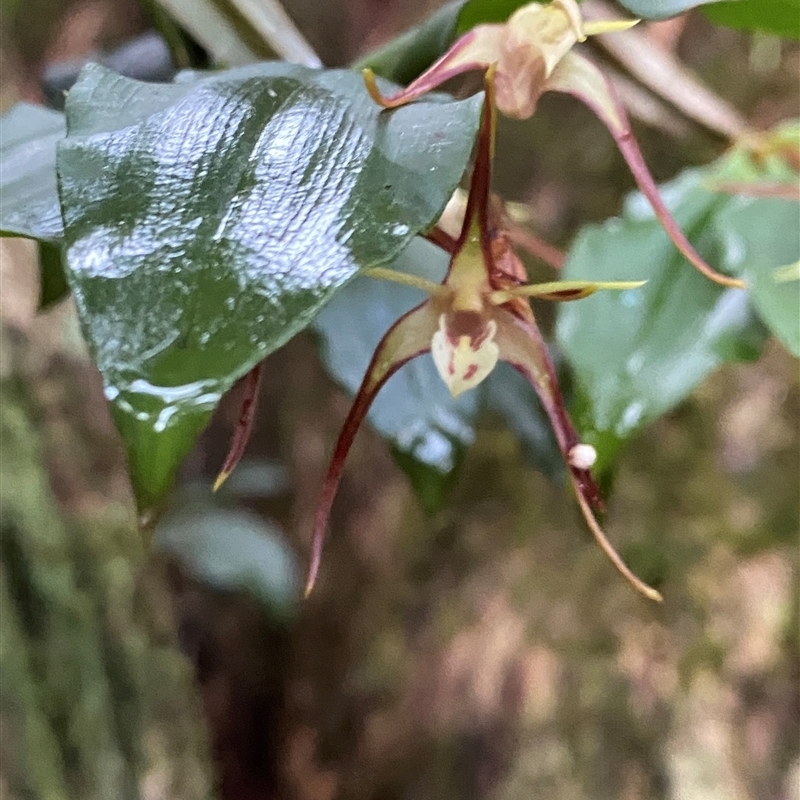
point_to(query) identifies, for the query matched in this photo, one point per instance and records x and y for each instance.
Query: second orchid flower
(532, 53)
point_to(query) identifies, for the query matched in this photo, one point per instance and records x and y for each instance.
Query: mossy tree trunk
(96, 701)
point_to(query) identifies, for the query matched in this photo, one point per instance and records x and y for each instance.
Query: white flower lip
(463, 361)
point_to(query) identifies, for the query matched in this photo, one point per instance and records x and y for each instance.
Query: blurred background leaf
(238, 32)
(635, 355)
(231, 549)
(759, 241)
(781, 17)
(661, 9)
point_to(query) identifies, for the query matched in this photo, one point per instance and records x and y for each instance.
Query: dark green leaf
(208, 221)
(428, 430)
(411, 53)
(774, 16)
(638, 353)
(760, 236)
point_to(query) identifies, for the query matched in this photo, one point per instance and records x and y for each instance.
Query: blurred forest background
(486, 651)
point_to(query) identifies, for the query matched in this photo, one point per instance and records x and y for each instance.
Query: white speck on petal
(464, 361)
(582, 456)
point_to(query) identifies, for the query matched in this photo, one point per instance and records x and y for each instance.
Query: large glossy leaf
(29, 196)
(208, 221)
(775, 16)
(637, 354)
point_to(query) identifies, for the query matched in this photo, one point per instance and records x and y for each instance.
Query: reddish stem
(442, 239)
(244, 426)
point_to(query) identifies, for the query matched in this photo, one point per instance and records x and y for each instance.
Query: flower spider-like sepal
(477, 316)
(532, 54)
(410, 336)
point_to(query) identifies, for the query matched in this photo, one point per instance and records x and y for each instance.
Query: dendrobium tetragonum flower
(478, 315)
(532, 54)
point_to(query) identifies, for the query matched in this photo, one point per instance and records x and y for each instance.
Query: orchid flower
(532, 54)
(477, 316)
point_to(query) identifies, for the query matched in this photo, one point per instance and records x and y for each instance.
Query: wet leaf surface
(208, 221)
(232, 550)
(28, 136)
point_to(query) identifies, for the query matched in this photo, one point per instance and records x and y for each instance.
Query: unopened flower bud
(582, 456)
